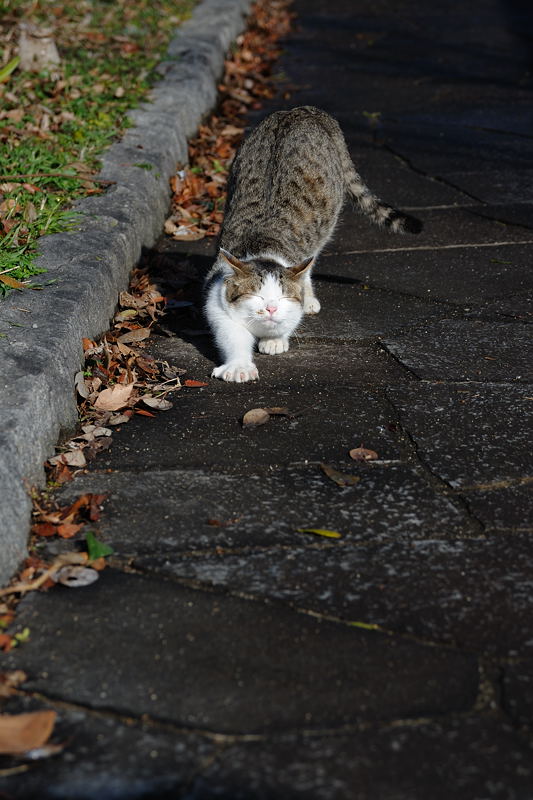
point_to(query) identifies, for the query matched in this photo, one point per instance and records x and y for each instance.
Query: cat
(287, 185)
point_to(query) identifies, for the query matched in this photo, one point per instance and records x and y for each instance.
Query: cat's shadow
(179, 273)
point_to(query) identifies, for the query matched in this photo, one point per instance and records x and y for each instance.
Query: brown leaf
(192, 383)
(10, 680)
(68, 529)
(59, 473)
(22, 732)
(255, 417)
(144, 413)
(44, 529)
(136, 335)
(12, 282)
(115, 397)
(362, 454)
(95, 501)
(340, 478)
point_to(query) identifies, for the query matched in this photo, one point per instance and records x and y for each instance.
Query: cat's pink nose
(271, 309)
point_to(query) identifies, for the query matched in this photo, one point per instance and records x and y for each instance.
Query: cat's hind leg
(273, 346)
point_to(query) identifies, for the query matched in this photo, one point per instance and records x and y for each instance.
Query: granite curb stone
(91, 264)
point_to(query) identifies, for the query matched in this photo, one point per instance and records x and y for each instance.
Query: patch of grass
(54, 124)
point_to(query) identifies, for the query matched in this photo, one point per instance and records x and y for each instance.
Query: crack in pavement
(224, 591)
(437, 178)
(437, 483)
(222, 741)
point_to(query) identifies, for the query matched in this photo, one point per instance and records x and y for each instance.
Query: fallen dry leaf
(144, 413)
(115, 397)
(73, 458)
(255, 417)
(9, 681)
(79, 383)
(137, 335)
(340, 478)
(12, 282)
(191, 383)
(22, 732)
(321, 532)
(68, 529)
(278, 411)
(44, 529)
(363, 454)
(158, 403)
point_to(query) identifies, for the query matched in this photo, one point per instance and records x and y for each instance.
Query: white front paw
(236, 372)
(311, 305)
(273, 346)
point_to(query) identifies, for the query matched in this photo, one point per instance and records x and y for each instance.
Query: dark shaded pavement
(247, 661)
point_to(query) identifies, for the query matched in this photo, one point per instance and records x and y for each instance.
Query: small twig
(60, 561)
(54, 175)
(8, 270)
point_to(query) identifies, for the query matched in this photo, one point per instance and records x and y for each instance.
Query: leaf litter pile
(199, 189)
(120, 379)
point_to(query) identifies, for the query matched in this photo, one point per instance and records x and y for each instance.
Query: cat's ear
(301, 269)
(237, 266)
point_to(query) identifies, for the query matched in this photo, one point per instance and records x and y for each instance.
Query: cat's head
(264, 292)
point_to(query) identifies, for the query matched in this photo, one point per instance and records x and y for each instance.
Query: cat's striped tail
(380, 213)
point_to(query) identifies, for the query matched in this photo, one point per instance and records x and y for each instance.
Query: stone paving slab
(169, 512)
(435, 144)
(467, 350)
(442, 227)
(204, 429)
(506, 508)
(441, 759)
(471, 593)
(517, 306)
(473, 437)
(495, 185)
(517, 687)
(222, 663)
(307, 364)
(351, 311)
(107, 757)
(460, 275)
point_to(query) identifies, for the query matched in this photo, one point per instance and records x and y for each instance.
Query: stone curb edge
(41, 348)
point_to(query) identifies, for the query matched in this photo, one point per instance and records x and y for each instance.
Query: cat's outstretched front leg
(236, 346)
(310, 302)
(273, 346)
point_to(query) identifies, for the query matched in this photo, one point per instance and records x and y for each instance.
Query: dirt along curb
(41, 348)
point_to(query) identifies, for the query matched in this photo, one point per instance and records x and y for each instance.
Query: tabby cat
(287, 186)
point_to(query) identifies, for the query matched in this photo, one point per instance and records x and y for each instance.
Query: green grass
(56, 125)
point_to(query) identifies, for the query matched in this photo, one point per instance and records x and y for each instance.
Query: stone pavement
(225, 654)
